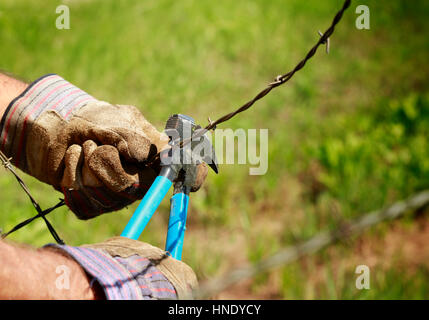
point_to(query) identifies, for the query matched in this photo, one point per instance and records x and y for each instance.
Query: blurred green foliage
(347, 135)
(371, 149)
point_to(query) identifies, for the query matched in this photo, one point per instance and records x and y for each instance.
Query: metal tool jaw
(184, 159)
(179, 166)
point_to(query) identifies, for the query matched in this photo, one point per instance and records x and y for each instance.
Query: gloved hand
(137, 270)
(92, 151)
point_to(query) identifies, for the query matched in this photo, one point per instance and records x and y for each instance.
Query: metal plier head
(189, 148)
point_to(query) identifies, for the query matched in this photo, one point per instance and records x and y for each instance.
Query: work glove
(94, 152)
(137, 270)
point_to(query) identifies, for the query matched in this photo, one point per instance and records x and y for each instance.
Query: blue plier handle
(169, 174)
(147, 207)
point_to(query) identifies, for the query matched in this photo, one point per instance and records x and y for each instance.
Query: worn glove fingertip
(88, 177)
(202, 171)
(106, 164)
(72, 159)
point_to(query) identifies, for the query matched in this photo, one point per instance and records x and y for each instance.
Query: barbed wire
(40, 213)
(279, 80)
(316, 243)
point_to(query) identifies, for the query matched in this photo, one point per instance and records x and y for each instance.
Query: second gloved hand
(92, 151)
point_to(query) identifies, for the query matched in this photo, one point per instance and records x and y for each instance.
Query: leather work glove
(94, 152)
(137, 270)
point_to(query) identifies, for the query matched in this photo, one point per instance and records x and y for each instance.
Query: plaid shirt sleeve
(50, 92)
(131, 278)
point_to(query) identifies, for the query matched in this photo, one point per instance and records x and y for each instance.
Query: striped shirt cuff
(50, 92)
(131, 278)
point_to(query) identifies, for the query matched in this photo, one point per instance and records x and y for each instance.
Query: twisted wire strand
(316, 243)
(281, 79)
(285, 77)
(40, 213)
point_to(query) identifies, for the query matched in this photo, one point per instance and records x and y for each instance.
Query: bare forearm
(10, 88)
(26, 273)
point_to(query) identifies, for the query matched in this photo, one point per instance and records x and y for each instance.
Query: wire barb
(327, 42)
(210, 122)
(277, 80)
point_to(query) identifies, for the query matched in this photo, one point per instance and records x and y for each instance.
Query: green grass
(348, 134)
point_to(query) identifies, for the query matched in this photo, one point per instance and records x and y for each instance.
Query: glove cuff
(178, 273)
(131, 278)
(50, 92)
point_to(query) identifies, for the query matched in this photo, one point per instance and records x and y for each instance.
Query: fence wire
(40, 213)
(316, 243)
(279, 80)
